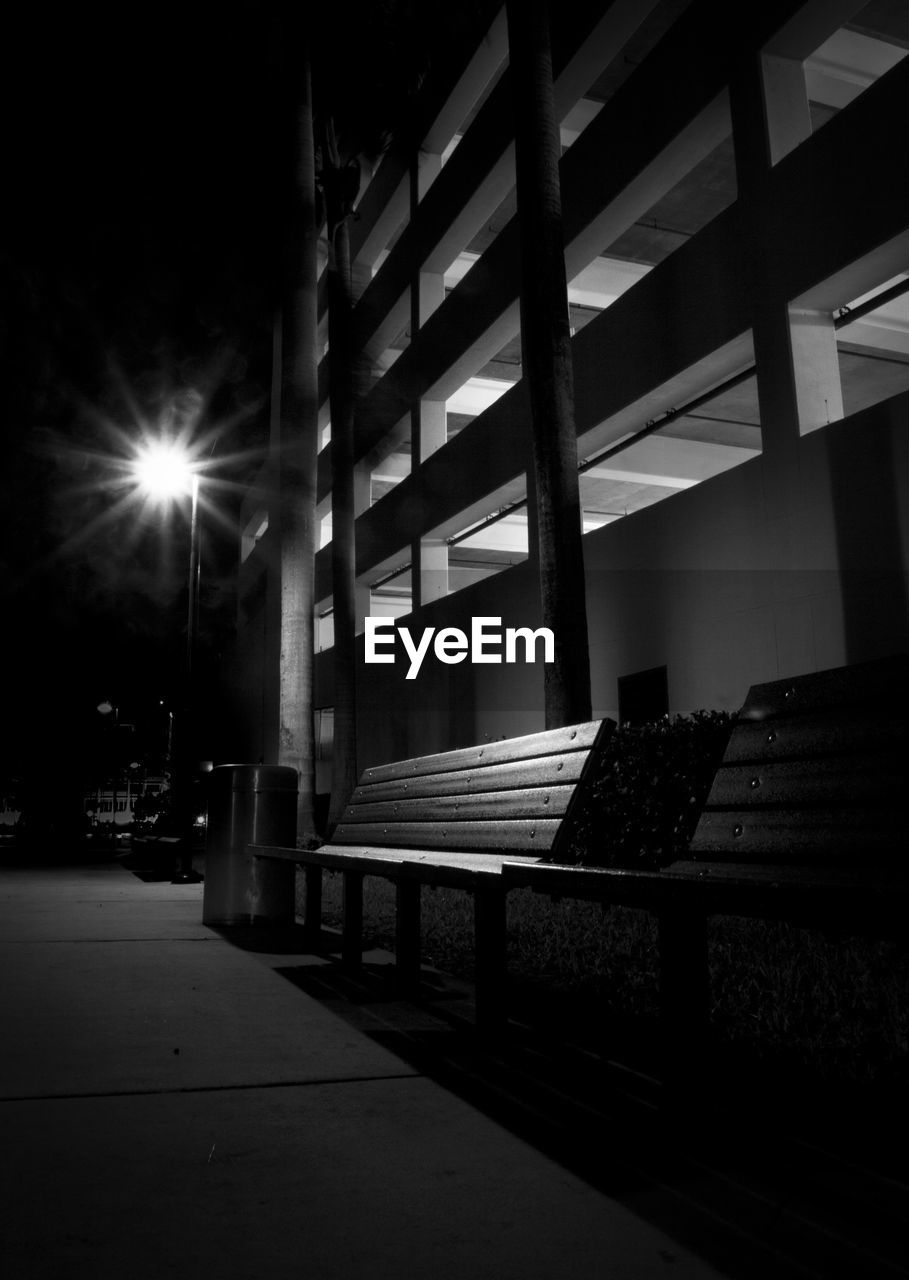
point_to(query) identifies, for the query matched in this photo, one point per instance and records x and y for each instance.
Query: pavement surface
(172, 1106)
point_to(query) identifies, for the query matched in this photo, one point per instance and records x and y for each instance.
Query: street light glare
(163, 471)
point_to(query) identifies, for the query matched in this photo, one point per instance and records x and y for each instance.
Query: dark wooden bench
(453, 819)
(806, 822)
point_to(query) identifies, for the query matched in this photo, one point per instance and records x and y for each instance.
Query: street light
(165, 471)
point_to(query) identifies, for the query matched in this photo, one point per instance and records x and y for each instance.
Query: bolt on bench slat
(797, 836)
(822, 734)
(489, 806)
(867, 780)
(544, 771)
(581, 737)
(517, 833)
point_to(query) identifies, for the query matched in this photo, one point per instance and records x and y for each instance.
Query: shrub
(642, 807)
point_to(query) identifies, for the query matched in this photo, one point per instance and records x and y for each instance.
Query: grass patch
(835, 1008)
(832, 1008)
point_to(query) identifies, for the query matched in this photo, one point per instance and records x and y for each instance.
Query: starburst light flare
(163, 470)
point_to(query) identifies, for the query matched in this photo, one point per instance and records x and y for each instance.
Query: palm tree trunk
(343, 515)
(546, 353)
(297, 454)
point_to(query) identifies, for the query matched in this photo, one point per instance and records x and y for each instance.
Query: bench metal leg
(407, 933)
(352, 935)
(312, 907)
(684, 997)
(490, 929)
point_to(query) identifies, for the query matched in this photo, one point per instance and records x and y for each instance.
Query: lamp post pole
(195, 572)
(186, 734)
(164, 469)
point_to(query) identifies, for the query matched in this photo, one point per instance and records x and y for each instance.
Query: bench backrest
(814, 775)
(512, 795)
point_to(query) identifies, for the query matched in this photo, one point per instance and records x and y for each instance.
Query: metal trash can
(249, 804)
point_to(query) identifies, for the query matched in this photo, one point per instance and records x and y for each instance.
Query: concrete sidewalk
(172, 1106)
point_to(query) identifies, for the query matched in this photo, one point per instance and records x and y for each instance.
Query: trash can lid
(254, 777)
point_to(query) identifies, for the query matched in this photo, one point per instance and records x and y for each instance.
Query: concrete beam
(697, 305)
(809, 26)
(600, 200)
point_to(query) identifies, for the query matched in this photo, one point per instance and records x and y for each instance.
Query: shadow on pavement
(728, 1173)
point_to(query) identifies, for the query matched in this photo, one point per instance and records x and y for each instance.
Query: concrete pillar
(795, 358)
(362, 494)
(429, 573)
(433, 427)
(429, 166)
(786, 111)
(432, 293)
(360, 277)
(361, 479)
(819, 391)
(769, 118)
(776, 385)
(430, 285)
(432, 569)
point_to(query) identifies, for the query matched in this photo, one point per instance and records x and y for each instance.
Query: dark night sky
(140, 175)
(142, 167)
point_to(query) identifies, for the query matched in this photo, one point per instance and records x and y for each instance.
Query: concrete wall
(722, 584)
(790, 563)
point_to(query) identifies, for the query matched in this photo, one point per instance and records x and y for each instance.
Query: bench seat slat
(823, 875)
(546, 771)
(801, 835)
(521, 833)
(543, 802)
(833, 897)
(277, 851)
(878, 683)
(821, 734)
(579, 737)
(455, 869)
(682, 880)
(325, 856)
(868, 780)
(405, 862)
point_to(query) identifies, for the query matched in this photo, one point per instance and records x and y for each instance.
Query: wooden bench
(453, 819)
(806, 822)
